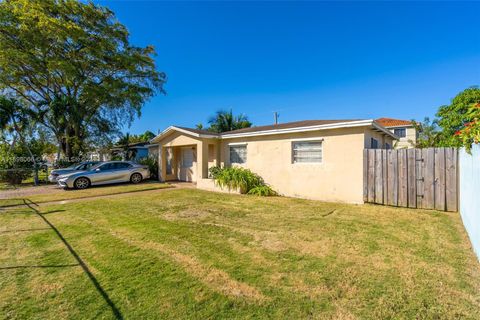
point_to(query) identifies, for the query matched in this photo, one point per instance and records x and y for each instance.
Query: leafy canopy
(453, 118)
(428, 133)
(470, 133)
(73, 63)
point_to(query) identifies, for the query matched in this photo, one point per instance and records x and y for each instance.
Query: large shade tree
(74, 65)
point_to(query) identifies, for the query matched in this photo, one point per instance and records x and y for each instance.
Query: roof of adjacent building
(289, 127)
(389, 122)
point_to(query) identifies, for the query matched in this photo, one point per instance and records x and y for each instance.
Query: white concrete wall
(469, 165)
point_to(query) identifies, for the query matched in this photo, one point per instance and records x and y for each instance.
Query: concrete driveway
(28, 191)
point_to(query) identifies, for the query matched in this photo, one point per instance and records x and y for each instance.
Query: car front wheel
(82, 183)
(136, 178)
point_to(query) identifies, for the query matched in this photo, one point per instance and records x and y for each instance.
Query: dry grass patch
(195, 254)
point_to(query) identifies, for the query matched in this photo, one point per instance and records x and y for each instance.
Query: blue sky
(306, 60)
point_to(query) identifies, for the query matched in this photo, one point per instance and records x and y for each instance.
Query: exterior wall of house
(339, 177)
(409, 140)
(383, 140)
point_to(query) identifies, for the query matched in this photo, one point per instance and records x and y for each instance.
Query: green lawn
(193, 254)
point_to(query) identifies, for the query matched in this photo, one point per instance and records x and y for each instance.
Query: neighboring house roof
(136, 145)
(389, 122)
(289, 127)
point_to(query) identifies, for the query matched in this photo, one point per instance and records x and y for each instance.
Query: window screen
(307, 152)
(373, 143)
(238, 154)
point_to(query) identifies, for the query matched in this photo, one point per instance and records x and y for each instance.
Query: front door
(187, 172)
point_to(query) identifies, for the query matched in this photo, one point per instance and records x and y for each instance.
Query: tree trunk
(35, 169)
(59, 149)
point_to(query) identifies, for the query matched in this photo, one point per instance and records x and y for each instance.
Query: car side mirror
(97, 170)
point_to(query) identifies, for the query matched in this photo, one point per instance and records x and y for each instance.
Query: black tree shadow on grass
(116, 312)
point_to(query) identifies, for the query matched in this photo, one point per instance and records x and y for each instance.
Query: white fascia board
(191, 133)
(350, 124)
(161, 134)
(308, 139)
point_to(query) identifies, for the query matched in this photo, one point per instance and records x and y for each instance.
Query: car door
(102, 174)
(123, 170)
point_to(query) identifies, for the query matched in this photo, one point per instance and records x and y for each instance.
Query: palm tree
(224, 121)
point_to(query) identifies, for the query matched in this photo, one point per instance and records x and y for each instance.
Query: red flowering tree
(470, 133)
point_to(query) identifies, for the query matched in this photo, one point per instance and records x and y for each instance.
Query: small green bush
(214, 171)
(152, 164)
(242, 179)
(11, 171)
(263, 191)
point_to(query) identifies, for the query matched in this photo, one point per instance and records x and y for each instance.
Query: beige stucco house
(314, 159)
(403, 129)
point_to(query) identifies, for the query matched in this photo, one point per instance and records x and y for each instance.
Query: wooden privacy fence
(414, 178)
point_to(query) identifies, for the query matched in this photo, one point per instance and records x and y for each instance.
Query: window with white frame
(307, 151)
(373, 143)
(238, 154)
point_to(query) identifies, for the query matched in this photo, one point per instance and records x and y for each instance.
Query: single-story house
(314, 159)
(403, 129)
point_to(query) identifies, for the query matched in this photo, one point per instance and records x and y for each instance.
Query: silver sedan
(105, 173)
(83, 166)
